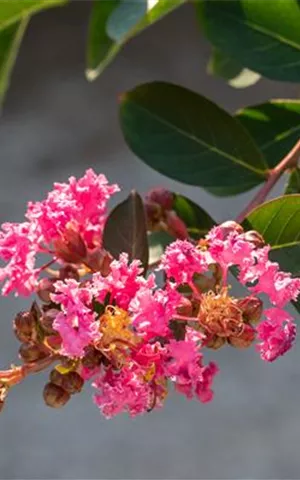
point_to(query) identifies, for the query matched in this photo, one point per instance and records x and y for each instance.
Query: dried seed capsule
(92, 358)
(55, 396)
(252, 308)
(231, 226)
(72, 382)
(68, 272)
(24, 326)
(245, 339)
(255, 238)
(31, 353)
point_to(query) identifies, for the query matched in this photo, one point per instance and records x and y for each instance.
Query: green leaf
(225, 67)
(275, 126)
(114, 22)
(158, 241)
(293, 185)
(13, 11)
(125, 230)
(197, 221)
(297, 305)
(278, 221)
(10, 40)
(187, 137)
(261, 35)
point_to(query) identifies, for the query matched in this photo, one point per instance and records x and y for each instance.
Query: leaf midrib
(261, 29)
(199, 141)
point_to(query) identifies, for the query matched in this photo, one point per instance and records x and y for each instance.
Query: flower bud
(245, 339)
(72, 382)
(54, 342)
(185, 308)
(153, 213)
(99, 260)
(55, 396)
(255, 238)
(71, 247)
(31, 352)
(231, 226)
(175, 225)
(24, 326)
(47, 320)
(178, 329)
(215, 342)
(45, 288)
(92, 358)
(162, 197)
(252, 308)
(68, 272)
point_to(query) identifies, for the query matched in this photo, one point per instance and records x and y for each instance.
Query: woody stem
(289, 161)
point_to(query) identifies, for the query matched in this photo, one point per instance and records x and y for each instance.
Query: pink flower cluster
(130, 337)
(73, 212)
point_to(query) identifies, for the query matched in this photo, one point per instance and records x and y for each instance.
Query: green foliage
(14, 11)
(261, 35)
(125, 230)
(278, 222)
(187, 137)
(10, 39)
(293, 185)
(113, 23)
(275, 126)
(225, 67)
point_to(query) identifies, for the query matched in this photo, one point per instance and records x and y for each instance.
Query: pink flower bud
(68, 272)
(162, 197)
(255, 238)
(24, 326)
(229, 227)
(176, 226)
(45, 288)
(92, 358)
(71, 247)
(55, 396)
(47, 320)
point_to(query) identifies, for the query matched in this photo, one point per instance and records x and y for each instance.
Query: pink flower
(123, 391)
(81, 203)
(152, 311)
(186, 370)
(182, 260)
(18, 246)
(75, 211)
(76, 323)
(122, 283)
(280, 287)
(228, 250)
(277, 334)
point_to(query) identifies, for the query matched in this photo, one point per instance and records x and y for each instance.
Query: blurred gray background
(56, 124)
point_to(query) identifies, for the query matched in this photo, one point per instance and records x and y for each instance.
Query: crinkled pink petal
(182, 260)
(76, 323)
(152, 311)
(277, 334)
(122, 283)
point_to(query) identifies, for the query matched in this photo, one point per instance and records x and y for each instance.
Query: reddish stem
(289, 161)
(16, 374)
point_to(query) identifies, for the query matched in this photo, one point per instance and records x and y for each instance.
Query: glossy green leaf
(158, 241)
(10, 39)
(263, 35)
(125, 230)
(114, 22)
(275, 126)
(279, 223)
(197, 221)
(13, 11)
(187, 137)
(293, 185)
(226, 67)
